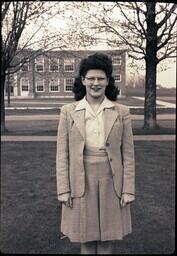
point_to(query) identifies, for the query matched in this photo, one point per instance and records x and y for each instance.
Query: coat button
(107, 144)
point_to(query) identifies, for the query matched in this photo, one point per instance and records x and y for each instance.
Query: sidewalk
(163, 137)
(159, 102)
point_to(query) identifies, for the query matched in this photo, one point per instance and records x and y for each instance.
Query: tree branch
(4, 9)
(133, 24)
(167, 16)
(169, 35)
(139, 21)
(167, 55)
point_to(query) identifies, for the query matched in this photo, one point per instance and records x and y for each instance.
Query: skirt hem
(79, 238)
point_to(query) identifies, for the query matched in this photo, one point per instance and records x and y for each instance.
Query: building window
(54, 85)
(40, 86)
(24, 85)
(39, 64)
(25, 67)
(54, 65)
(116, 60)
(68, 84)
(117, 77)
(69, 65)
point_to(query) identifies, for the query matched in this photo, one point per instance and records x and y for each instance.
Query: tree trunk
(3, 127)
(8, 88)
(150, 96)
(150, 121)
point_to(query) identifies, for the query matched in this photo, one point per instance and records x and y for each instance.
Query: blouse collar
(106, 103)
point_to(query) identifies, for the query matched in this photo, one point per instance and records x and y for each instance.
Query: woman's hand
(126, 198)
(66, 199)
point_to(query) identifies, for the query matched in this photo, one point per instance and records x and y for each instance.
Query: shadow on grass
(154, 131)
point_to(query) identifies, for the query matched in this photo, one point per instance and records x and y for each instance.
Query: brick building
(51, 75)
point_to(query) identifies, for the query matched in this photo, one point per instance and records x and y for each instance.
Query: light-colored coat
(70, 145)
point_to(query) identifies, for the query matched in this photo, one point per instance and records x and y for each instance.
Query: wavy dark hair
(96, 61)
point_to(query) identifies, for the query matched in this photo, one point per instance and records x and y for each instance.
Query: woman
(95, 160)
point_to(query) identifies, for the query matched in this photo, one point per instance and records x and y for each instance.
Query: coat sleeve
(62, 154)
(128, 155)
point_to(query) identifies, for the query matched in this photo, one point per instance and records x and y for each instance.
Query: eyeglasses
(92, 79)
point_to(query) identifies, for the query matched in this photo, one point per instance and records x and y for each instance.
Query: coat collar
(83, 104)
(110, 115)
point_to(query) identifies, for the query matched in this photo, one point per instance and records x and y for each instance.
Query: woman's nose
(95, 81)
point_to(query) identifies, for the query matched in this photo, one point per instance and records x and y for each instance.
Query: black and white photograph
(88, 127)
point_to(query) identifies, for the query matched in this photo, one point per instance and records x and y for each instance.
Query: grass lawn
(30, 212)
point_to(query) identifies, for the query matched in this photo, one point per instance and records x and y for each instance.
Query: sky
(167, 78)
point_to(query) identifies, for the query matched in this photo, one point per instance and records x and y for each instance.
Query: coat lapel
(79, 119)
(110, 116)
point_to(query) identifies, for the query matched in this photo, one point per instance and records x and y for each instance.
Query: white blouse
(94, 122)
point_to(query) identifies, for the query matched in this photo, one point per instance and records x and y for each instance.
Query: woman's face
(95, 82)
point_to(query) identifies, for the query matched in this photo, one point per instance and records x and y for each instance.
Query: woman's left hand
(126, 198)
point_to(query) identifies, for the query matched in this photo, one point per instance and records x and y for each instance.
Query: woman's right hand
(66, 199)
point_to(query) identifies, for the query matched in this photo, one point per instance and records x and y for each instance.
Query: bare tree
(16, 40)
(146, 29)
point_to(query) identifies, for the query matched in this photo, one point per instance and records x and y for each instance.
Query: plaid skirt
(97, 215)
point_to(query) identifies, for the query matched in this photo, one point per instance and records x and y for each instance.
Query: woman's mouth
(96, 89)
